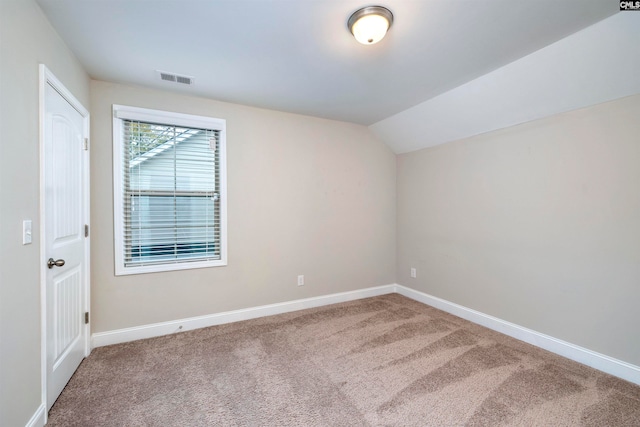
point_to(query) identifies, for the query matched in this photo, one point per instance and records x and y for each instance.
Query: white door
(65, 246)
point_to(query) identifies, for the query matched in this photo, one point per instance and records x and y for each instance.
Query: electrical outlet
(301, 280)
(414, 273)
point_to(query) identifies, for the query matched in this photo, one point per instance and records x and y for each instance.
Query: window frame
(123, 112)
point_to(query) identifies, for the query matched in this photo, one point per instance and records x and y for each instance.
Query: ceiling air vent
(171, 77)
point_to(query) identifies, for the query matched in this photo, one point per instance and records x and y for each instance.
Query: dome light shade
(370, 24)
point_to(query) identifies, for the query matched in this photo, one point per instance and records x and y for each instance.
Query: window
(169, 191)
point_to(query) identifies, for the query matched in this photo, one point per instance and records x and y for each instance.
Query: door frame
(47, 77)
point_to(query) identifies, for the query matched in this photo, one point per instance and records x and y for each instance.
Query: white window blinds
(171, 195)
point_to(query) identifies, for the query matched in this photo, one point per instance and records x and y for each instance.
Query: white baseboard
(37, 420)
(579, 354)
(165, 328)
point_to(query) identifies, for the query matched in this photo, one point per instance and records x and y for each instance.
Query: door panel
(66, 175)
(66, 292)
(64, 219)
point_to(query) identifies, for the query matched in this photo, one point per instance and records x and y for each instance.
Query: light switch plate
(26, 232)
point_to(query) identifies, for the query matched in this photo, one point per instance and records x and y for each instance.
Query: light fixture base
(369, 11)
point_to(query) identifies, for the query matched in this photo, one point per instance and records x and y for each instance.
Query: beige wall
(305, 196)
(26, 39)
(538, 224)
(535, 224)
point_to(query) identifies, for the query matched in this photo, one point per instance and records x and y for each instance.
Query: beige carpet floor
(383, 361)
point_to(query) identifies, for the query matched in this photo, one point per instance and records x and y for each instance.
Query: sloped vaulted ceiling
(597, 64)
(299, 56)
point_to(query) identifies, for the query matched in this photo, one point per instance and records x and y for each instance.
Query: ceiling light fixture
(370, 24)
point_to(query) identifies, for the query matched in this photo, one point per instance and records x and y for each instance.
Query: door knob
(58, 263)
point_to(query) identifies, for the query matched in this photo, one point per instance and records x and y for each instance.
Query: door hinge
(86, 230)
(86, 317)
(85, 144)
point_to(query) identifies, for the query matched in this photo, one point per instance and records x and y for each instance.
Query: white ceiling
(298, 56)
(597, 64)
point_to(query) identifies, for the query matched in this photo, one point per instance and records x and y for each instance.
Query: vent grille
(183, 79)
(175, 78)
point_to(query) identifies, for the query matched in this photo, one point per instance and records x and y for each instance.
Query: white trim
(168, 117)
(576, 353)
(122, 112)
(44, 75)
(164, 328)
(38, 418)
(47, 77)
